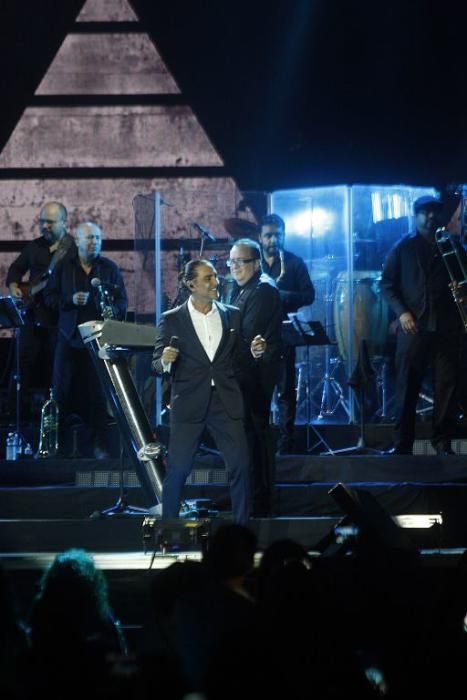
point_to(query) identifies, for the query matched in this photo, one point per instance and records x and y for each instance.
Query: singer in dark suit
(74, 291)
(197, 343)
(258, 299)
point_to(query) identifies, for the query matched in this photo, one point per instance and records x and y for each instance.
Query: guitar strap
(63, 248)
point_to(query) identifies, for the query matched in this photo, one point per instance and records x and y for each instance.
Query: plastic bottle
(10, 451)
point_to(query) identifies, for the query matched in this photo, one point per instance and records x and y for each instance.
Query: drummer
(296, 290)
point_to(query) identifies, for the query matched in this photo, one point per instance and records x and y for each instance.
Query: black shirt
(293, 281)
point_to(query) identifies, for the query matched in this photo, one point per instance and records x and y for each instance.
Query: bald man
(38, 337)
(76, 384)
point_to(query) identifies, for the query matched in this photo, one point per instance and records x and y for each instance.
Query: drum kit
(351, 308)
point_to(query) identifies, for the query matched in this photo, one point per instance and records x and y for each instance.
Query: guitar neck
(30, 289)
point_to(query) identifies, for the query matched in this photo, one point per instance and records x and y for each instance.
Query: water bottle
(18, 446)
(10, 452)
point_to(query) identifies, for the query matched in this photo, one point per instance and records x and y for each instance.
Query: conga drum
(370, 315)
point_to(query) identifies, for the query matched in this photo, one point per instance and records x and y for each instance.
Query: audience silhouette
(367, 619)
(73, 631)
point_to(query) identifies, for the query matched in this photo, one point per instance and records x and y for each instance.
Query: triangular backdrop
(108, 122)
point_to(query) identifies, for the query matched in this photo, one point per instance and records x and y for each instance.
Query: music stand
(10, 317)
(305, 333)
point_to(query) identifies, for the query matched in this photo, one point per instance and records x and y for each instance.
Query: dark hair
(252, 245)
(231, 551)
(191, 269)
(273, 220)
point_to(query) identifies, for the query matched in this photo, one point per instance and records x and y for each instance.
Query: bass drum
(370, 312)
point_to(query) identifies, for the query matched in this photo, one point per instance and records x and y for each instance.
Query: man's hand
(169, 354)
(258, 347)
(15, 291)
(407, 322)
(80, 298)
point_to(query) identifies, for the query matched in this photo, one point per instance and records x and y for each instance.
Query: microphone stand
(121, 507)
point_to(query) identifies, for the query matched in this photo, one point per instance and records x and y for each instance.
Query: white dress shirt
(208, 328)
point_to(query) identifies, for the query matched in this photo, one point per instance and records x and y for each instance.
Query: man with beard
(415, 283)
(38, 336)
(296, 290)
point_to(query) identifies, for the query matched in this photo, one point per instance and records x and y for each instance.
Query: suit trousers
(229, 436)
(257, 398)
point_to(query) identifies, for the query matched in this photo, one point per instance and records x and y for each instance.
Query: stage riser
(125, 535)
(209, 470)
(311, 500)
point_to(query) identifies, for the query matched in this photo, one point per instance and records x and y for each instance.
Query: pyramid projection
(96, 155)
(107, 11)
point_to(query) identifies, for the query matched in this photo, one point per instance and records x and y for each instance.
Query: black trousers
(414, 354)
(229, 436)
(35, 342)
(257, 397)
(77, 387)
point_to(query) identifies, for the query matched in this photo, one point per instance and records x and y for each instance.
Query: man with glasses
(38, 336)
(296, 290)
(258, 299)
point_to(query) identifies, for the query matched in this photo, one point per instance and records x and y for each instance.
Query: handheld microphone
(174, 342)
(204, 232)
(96, 282)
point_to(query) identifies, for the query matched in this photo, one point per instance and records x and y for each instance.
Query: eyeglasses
(239, 262)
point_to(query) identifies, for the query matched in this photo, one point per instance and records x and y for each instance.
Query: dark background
(292, 93)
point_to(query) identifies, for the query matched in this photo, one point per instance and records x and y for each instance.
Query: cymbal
(241, 228)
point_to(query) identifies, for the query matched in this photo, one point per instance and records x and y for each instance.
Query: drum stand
(308, 400)
(306, 333)
(360, 447)
(332, 394)
(381, 368)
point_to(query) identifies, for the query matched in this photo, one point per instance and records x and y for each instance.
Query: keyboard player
(86, 288)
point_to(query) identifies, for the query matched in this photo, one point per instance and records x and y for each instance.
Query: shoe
(398, 450)
(443, 449)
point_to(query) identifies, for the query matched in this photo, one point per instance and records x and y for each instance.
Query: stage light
(315, 222)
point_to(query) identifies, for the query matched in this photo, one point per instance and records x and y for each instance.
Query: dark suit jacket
(261, 313)
(66, 280)
(193, 371)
